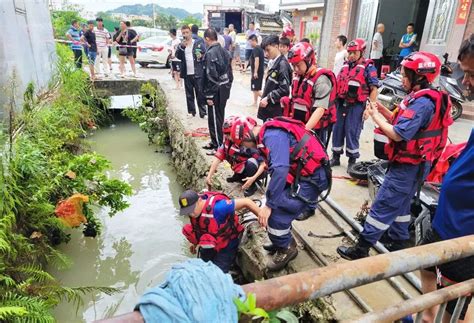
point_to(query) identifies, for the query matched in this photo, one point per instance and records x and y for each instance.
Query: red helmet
(356, 44)
(242, 130)
(302, 51)
(227, 125)
(423, 63)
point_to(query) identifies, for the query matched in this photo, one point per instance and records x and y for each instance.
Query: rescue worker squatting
(356, 83)
(413, 138)
(214, 226)
(296, 162)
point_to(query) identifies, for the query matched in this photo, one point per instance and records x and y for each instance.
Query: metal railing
(302, 286)
(418, 305)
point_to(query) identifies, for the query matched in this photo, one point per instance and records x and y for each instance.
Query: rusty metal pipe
(296, 288)
(419, 304)
(378, 246)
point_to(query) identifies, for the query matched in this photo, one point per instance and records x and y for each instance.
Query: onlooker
(284, 46)
(220, 38)
(102, 39)
(190, 52)
(109, 53)
(376, 54)
(277, 83)
(248, 46)
(256, 68)
(74, 35)
(234, 53)
(89, 38)
(83, 30)
(341, 54)
(259, 36)
(121, 40)
(217, 81)
(175, 62)
(227, 41)
(407, 43)
(466, 62)
(132, 39)
(454, 214)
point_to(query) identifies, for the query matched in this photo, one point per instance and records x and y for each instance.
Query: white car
(154, 50)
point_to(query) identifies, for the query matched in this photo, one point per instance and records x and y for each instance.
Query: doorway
(234, 18)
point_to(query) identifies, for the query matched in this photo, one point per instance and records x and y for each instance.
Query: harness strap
(428, 134)
(299, 146)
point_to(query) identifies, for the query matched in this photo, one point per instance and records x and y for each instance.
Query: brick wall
(470, 22)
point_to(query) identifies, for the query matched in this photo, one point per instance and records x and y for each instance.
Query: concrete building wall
(27, 45)
(470, 23)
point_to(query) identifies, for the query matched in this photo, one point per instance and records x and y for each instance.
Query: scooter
(391, 92)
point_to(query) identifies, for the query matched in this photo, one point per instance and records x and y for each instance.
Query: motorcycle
(391, 92)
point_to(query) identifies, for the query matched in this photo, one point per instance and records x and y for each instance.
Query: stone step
(468, 110)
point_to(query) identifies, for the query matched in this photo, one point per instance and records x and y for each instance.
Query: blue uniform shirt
(405, 40)
(423, 109)
(222, 210)
(278, 142)
(370, 74)
(455, 212)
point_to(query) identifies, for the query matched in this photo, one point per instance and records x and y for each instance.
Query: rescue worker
(313, 92)
(247, 164)
(312, 100)
(356, 83)
(214, 226)
(298, 166)
(454, 216)
(217, 81)
(415, 136)
(277, 83)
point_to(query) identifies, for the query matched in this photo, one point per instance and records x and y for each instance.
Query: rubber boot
(251, 190)
(233, 179)
(335, 160)
(270, 247)
(282, 257)
(305, 215)
(351, 162)
(360, 250)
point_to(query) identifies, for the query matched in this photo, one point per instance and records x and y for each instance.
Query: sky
(193, 6)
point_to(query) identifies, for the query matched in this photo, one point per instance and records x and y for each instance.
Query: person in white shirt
(376, 54)
(341, 55)
(102, 38)
(175, 62)
(220, 38)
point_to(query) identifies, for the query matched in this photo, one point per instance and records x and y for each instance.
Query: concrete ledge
(112, 87)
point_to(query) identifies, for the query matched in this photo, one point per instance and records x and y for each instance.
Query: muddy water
(137, 246)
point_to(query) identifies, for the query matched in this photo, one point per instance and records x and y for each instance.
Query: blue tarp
(194, 291)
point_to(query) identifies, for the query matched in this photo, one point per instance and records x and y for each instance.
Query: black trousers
(378, 65)
(193, 89)
(215, 117)
(78, 57)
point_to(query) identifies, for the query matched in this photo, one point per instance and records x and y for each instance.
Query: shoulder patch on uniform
(228, 201)
(373, 73)
(408, 114)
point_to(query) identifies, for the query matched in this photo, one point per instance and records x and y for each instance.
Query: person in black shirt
(256, 67)
(89, 38)
(217, 81)
(277, 83)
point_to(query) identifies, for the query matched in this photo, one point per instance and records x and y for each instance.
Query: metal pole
(296, 288)
(458, 309)
(419, 304)
(413, 279)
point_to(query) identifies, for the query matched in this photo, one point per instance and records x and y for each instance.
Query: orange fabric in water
(70, 210)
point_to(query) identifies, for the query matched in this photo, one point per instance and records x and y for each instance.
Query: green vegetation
(151, 115)
(47, 163)
(248, 311)
(62, 21)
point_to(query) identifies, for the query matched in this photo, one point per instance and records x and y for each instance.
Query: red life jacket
(210, 234)
(308, 149)
(237, 158)
(351, 83)
(300, 106)
(428, 143)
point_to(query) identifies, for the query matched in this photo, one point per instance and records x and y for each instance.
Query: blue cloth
(405, 40)
(423, 109)
(92, 57)
(348, 126)
(76, 35)
(455, 212)
(194, 291)
(284, 207)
